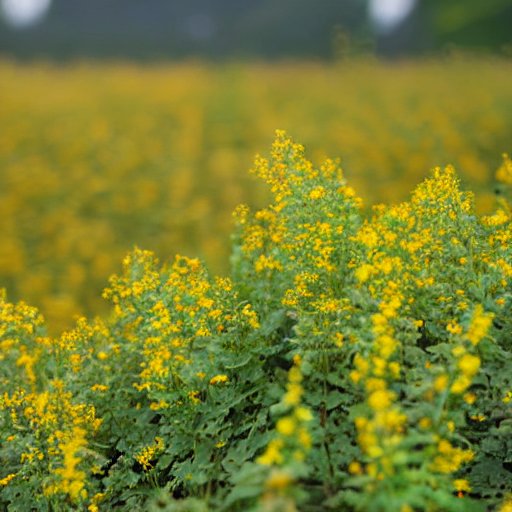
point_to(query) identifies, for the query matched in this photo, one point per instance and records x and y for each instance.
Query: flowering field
(95, 159)
(351, 362)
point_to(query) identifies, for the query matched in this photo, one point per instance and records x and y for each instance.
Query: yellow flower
(5, 481)
(250, 314)
(265, 263)
(506, 505)
(480, 323)
(454, 328)
(460, 385)
(355, 376)
(272, 454)
(148, 453)
(355, 468)
(461, 484)
(279, 479)
(394, 368)
(286, 426)
(380, 399)
(441, 383)
(304, 438)
(458, 351)
(450, 458)
(504, 172)
(194, 396)
(102, 356)
(386, 345)
(156, 406)
(425, 423)
(317, 193)
(303, 414)
(361, 364)
(374, 384)
(219, 379)
(293, 394)
(469, 398)
(364, 272)
(99, 387)
(72, 480)
(469, 365)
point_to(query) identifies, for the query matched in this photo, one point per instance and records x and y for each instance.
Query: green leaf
(334, 399)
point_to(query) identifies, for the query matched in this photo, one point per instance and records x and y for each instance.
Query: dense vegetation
(349, 363)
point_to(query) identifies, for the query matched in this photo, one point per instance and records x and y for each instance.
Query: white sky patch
(23, 13)
(387, 14)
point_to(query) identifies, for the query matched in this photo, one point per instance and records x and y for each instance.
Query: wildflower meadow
(357, 358)
(98, 157)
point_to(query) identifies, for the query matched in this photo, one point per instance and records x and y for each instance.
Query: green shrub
(349, 363)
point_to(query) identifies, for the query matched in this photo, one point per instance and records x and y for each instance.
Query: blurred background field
(97, 156)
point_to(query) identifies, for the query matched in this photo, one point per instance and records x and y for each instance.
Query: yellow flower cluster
(76, 192)
(293, 440)
(396, 301)
(219, 379)
(380, 434)
(287, 450)
(147, 455)
(466, 364)
(308, 248)
(6, 480)
(71, 480)
(33, 401)
(449, 458)
(504, 172)
(506, 505)
(403, 253)
(192, 306)
(480, 323)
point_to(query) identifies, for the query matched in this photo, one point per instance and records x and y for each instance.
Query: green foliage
(350, 363)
